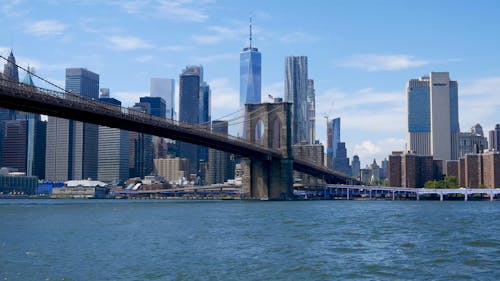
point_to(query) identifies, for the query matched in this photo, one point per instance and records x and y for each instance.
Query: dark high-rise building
(10, 72)
(157, 106)
(193, 96)
(341, 162)
(384, 170)
(395, 169)
(15, 144)
(140, 149)
(113, 156)
(205, 117)
(218, 161)
(495, 138)
(27, 127)
(416, 170)
(355, 166)
(296, 85)
(10, 69)
(72, 146)
(333, 139)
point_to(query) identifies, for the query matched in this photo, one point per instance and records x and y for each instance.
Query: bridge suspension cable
(36, 75)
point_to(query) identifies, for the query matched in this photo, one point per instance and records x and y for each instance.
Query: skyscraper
(191, 103)
(10, 70)
(355, 166)
(311, 111)
(473, 141)
(157, 106)
(35, 157)
(164, 88)
(218, 161)
(250, 76)
(113, 156)
(23, 140)
(433, 127)
(15, 144)
(341, 162)
(72, 146)
(495, 138)
(296, 84)
(333, 139)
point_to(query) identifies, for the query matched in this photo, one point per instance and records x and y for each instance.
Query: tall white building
(164, 88)
(432, 104)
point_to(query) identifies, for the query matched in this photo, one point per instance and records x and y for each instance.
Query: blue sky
(361, 53)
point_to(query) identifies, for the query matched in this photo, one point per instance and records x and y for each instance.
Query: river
(237, 240)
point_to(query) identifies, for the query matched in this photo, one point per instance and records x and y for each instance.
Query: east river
(234, 240)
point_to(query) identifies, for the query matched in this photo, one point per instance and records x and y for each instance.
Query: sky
(360, 53)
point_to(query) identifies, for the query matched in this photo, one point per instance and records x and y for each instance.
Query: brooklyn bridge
(267, 159)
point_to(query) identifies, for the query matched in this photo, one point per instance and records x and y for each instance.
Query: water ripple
(208, 240)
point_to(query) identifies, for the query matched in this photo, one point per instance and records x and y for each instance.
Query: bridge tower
(269, 124)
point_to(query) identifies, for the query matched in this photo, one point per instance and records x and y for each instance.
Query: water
(232, 240)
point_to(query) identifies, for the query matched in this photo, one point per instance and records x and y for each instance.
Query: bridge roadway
(20, 97)
(370, 190)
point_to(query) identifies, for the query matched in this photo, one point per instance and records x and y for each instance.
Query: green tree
(451, 182)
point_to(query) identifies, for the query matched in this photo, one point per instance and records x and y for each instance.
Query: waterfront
(237, 240)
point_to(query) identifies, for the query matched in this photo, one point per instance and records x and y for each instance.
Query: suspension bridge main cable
(37, 76)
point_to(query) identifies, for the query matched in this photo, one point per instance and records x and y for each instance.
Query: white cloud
(367, 150)
(25, 62)
(10, 8)
(364, 112)
(128, 98)
(275, 89)
(479, 102)
(372, 62)
(489, 86)
(225, 99)
(359, 100)
(298, 37)
(144, 59)
(128, 43)
(173, 10)
(46, 28)
(133, 7)
(179, 11)
(219, 34)
(214, 58)
(98, 26)
(175, 48)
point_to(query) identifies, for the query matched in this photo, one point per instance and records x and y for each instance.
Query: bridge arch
(268, 178)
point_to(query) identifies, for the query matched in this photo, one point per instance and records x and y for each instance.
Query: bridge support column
(441, 197)
(267, 180)
(270, 177)
(393, 196)
(466, 196)
(491, 196)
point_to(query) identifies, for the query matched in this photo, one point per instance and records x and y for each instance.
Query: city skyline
(360, 60)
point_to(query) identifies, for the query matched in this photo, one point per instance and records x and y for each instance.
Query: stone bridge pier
(269, 124)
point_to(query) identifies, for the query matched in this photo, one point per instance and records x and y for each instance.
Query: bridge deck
(18, 96)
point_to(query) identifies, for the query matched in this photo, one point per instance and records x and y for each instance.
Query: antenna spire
(250, 36)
